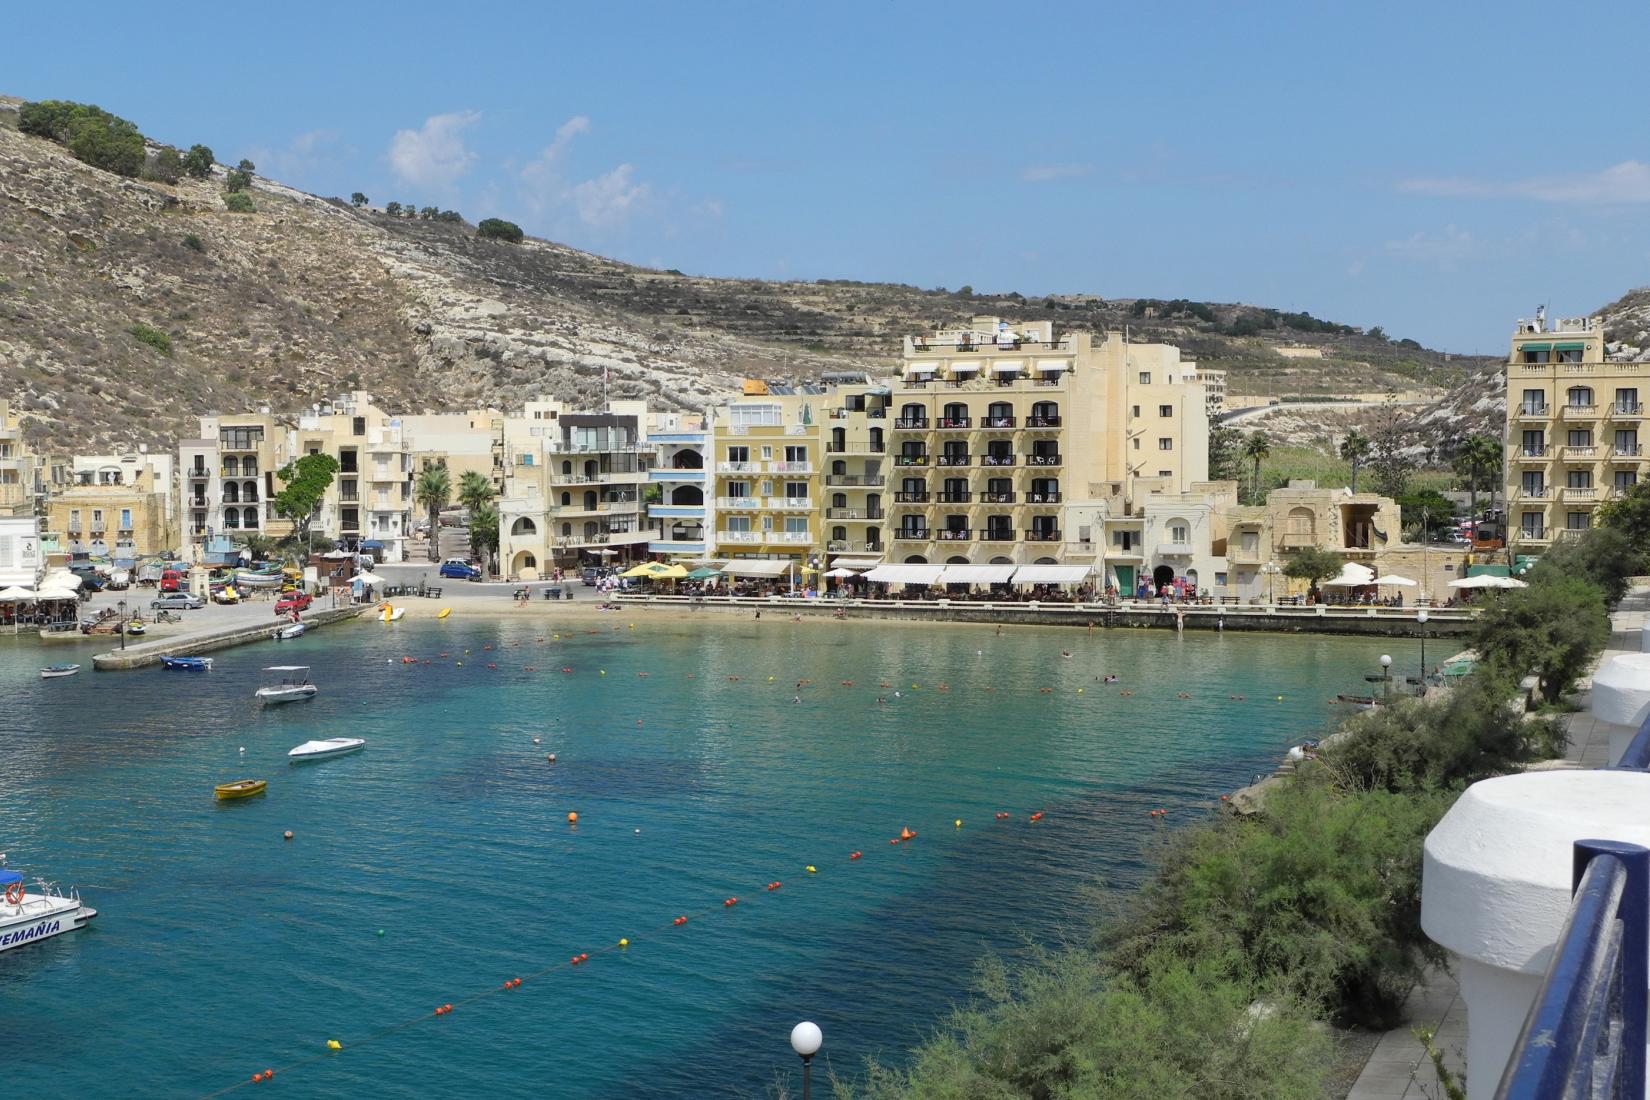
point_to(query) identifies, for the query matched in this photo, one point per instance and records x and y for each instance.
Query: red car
(297, 601)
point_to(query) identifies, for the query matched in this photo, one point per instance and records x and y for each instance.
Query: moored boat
(391, 614)
(290, 630)
(320, 750)
(27, 916)
(294, 685)
(52, 672)
(254, 578)
(187, 664)
(241, 788)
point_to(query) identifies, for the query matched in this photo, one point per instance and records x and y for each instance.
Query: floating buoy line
(334, 1047)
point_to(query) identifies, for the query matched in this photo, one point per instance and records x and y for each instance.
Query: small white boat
(320, 750)
(391, 614)
(294, 686)
(290, 630)
(52, 672)
(29, 915)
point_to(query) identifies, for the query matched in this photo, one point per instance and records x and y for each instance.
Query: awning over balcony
(922, 368)
(1008, 366)
(906, 574)
(856, 563)
(1053, 574)
(977, 574)
(758, 567)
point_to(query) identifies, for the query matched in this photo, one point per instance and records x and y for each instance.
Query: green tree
(92, 134)
(1225, 453)
(484, 535)
(240, 176)
(1603, 555)
(1552, 629)
(428, 213)
(358, 200)
(475, 492)
(154, 337)
(1389, 459)
(1255, 448)
(393, 209)
(1629, 514)
(1478, 459)
(1313, 564)
(166, 166)
(239, 202)
(499, 230)
(1377, 333)
(305, 483)
(1355, 449)
(1429, 512)
(198, 161)
(433, 490)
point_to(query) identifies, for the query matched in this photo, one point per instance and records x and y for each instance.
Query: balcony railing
(954, 496)
(1042, 421)
(791, 536)
(1046, 535)
(803, 467)
(738, 504)
(870, 481)
(911, 498)
(996, 423)
(1043, 460)
(1589, 495)
(1043, 498)
(996, 460)
(997, 534)
(1572, 454)
(738, 536)
(954, 534)
(1533, 534)
(1530, 452)
(1527, 409)
(853, 513)
(952, 423)
(954, 460)
(1626, 410)
(792, 504)
(1538, 492)
(736, 467)
(911, 423)
(911, 534)
(855, 447)
(849, 546)
(910, 460)
(1629, 452)
(1585, 1033)
(1580, 412)
(997, 498)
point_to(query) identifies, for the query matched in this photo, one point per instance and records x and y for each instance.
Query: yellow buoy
(1280, 698)
(334, 1044)
(624, 943)
(958, 823)
(770, 679)
(812, 870)
(604, 673)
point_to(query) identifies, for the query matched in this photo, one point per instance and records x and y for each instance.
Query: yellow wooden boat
(241, 788)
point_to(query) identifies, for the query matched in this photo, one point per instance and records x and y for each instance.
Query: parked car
(171, 581)
(178, 601)
(297, 601)
(454, 569)
(590, 575)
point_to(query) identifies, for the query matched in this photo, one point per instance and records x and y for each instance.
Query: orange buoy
(572, 818)
(730, 903)
(856, 855)
(1038, 816)
(679, 921)
(256, 1077)
(773, 886)
(268, 1073)
(907, 834)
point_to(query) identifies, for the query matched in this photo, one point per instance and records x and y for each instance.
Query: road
(1307, 406)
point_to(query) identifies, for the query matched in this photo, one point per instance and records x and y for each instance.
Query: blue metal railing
(1584, 1038)
(1637, 756)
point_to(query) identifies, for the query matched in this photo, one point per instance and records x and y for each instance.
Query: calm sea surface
(222, 950)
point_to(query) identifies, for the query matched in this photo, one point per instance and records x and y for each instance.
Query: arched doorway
(687, 494)
(1162, 575)
(525, 566)
(916, 559)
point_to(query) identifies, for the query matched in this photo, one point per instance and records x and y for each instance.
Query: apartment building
(368, 506)
(680, 510)
(855, 437)
(468, 442)
(1214, 390)
(21, 471)
(997, 430)
(226, 477)
(768, 452)
(1574, 419)
(113, 506)
(574, 487)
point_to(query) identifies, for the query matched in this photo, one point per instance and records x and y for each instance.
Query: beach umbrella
(1486, 580)
(669, 572)
(704, 573)
(1352, 575)
(646, 569)
(63, 579)
(369, 577)
(1396, 581)
(842, 573)
(15, 594)
(53, 593)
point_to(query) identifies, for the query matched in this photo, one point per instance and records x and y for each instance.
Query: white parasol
(833, 573)
(15, 594)
(1396, 581)
(1486, 580)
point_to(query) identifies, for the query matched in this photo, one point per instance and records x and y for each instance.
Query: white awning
(14, 594)
(977, 574)
(839, 573)
(62, 579)
(922, 368)
(758, 567)
(965, 368)
(906, 574)
(1008, 366)
(1053, 366)
(856, 563)
(1053, 574)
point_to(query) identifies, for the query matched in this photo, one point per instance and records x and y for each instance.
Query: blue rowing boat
(187, 664)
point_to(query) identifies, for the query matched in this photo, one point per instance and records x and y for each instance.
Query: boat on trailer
(30, 915)
(294, 686)
(321, 750)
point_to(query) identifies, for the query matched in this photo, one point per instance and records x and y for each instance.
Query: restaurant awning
(1352, 575)
(372, 544)
(53, 593)
(856, 563)
(14, 594)
(758, 567)
(977, 574)
(1053, 574)
(906, 574)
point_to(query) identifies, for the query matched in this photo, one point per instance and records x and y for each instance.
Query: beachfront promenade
(206, 639)
(1318, 618)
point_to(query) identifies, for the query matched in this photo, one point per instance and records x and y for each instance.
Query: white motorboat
(290, 630)
(320, 750)
(29, 915)
(52, 672)
(294, 685)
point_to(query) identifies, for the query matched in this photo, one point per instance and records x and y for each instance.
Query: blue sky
(1437, 169)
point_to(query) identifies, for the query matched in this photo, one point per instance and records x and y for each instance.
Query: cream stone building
(574, 487)
(226, 477)
(466, 442)
(21, 471)
(1574, 420)
(997, 430)
(768, 476)
(368, 506)
(115, 513)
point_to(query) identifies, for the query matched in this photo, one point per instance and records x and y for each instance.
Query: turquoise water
(222, 950)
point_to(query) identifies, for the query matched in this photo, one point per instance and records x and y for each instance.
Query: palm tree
(1255, 448)
(1477, 459)
(484, 535)
(434, 489)
(475, 492)
(1355, 448)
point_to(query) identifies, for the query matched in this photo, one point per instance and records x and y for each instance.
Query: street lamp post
(1272, 572)
(1421, 618)
(1386, 674)
(122, 624)
(806, 1040)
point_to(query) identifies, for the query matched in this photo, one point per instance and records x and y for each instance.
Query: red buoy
(730, 903)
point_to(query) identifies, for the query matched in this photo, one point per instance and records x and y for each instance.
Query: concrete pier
(204, 641)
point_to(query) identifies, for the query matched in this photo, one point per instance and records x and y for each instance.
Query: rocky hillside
(307, 297)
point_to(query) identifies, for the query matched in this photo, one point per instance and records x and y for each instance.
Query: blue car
(454, 569)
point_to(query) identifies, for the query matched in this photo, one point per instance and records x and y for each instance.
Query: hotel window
(764, 488)
(1124, 540)
(125, 519)
(1627, 442)
(739, 454)
(796, 490)
(1627, 400)
(1179, 532)
(1579, 396)
(1165, 410)
(1165, 443)
(739, 490)
(1538, 353)
(1534, 401)
(1579, 437)
(1145, 378)
(755, 416)
(739, 523)
(767, 453)
(1530, 524)
(796, 454)
(1578, 479)
(767, 523)
(1625, 480)
(1575, 521)
(1569, 354)
(796, 525)
(1534, 483)
(1535, 443)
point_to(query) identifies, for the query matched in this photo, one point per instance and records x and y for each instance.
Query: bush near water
(1221, 978)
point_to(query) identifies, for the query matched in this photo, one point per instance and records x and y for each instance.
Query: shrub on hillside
(239, 202)
(198, 161)
(165, 166)
(154, 337)
(194, 243)
(92, 134)
(497, 229)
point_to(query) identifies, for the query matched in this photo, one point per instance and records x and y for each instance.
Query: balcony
(1047, 534)
(954, 496)
(1533, 534)
(997, 498)
(996, 460)
(1579, 412)
(849, 546)
(1530, 453)
(860, 514)
(1580, 454)
(1625, 410)
(1043, 498)
(736, 467)
(1526, 411)
(911, 423)
(996, 423)
(200, 473)
(1630, 453)
(1043, 460)
(803, 467)
(954, 460)
(954, 534)
(792, 504)
(911, 498)
(1245, 555)
(910, 460)
(738, 504)
(1297, 540)
(1042, 421)
(866, 481)
(862, 447)
(911, 534)
(997, 534)
(1588, 496)
(738, 536)
(1536, 493)
(1174, 549)
(792, 538)
(956, 423)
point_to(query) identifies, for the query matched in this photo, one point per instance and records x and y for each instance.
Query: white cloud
(1627, 182)
(1043, 173)
(604, 202)
(609, 199)
(434, 155)
(1446, 248)
(301, 156)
